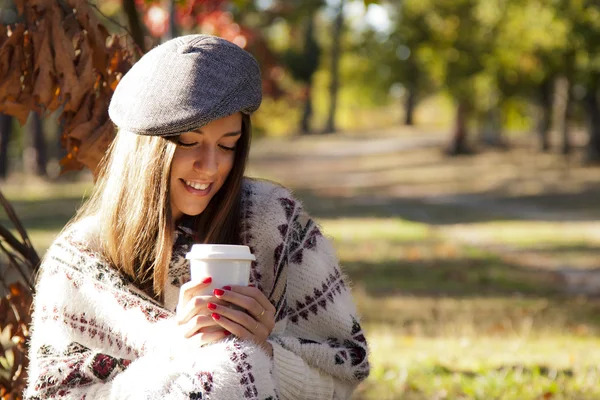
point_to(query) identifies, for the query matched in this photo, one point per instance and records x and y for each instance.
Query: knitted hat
(184, 84)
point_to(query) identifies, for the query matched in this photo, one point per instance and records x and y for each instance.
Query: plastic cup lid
(220, 252)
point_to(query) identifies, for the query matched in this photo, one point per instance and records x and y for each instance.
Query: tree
(35, 153)
(303, 60)
(584, 39)
(302, 56)
(404, 57)
(338, 25)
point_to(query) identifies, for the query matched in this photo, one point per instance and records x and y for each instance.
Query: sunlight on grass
(43, 190)
(527, 233)
(374, 229)
(478, 368)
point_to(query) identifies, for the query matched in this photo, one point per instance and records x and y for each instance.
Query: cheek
(226, 165)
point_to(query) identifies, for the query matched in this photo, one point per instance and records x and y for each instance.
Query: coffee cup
(225, 264)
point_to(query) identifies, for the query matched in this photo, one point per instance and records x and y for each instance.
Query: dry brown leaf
(26, 69)
(98, 117)
(83, 114)
(18, 110)
(63, 62)
(3, 34)
(10, 88)
(85, 70)
(66, 61)
(94, 148)
(69, 163)
(40, 6)
(97, 34)
(44, 73)
(20, 4)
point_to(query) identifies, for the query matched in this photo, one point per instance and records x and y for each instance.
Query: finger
(252, 305)
(239, 317)
(196, 306)
(188, 289)
(256, 294)
(197, 323)
(202, 338)
(213, 328)
(236, 329)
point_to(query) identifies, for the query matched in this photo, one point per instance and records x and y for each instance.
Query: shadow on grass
(462, 209)
(461, 277)
(483, 295)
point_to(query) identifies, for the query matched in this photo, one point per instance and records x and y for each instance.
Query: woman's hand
(256, 320)
(193, 316)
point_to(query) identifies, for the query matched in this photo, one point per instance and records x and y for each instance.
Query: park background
(450, 149)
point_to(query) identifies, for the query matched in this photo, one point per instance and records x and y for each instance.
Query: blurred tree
(303, 61)
(458, 34)
(403, 58)
(584, 39)
(35, 153)
(135, 25)
(411, 55)
(338, 25)
(302, 56)
(524, 56)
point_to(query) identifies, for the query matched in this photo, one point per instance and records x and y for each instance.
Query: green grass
(458, 301)
(480, 368)
(452, 321)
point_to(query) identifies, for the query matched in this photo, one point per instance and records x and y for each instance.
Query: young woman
(116, 315)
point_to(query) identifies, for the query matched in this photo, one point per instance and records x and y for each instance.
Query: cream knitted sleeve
(321, 353)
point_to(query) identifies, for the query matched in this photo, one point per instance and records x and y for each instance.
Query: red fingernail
(215, 316)
(227, 287)
(218, 292)
(227, 333)
(252, 285)
(211, 306)
(207, 280)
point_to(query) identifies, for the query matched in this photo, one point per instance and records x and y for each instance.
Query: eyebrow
(228, 134)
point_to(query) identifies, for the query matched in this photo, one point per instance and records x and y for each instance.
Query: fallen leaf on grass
(413, 254)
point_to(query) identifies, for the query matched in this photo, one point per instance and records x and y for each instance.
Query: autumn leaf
(63, 58)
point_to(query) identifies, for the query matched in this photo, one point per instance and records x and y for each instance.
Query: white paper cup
(225, 264)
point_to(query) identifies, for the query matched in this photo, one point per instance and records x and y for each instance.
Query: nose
(206, 162)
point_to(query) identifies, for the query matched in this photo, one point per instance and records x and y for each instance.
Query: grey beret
(186, 83)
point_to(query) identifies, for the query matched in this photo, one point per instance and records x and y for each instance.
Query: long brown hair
(131, 204)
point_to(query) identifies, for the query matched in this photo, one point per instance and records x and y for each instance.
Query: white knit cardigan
(95, 335)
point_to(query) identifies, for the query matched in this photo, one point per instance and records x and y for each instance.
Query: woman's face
(201, 164)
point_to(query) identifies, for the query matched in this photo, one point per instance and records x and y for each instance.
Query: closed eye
(182, 144)
(227, 148)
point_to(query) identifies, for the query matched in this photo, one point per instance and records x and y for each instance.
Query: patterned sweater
(95, 335)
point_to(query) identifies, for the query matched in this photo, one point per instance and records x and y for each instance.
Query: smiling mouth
(199, 189)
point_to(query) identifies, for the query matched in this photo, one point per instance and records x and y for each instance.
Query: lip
(197, 192)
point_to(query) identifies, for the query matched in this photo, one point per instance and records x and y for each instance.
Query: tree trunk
(409, 106)
(38, 145)
(563, 110)
(592, 109)
(459, 144)
(5, 131)
(544, 122)
(137, 31)
(491, 134)
(307, 110)
(173, 30)
(335, 69)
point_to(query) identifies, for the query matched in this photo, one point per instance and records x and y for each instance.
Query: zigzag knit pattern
(95, 335)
